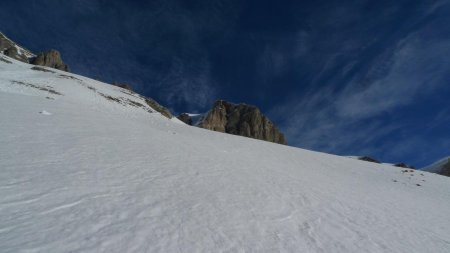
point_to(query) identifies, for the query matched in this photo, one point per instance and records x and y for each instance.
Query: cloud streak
(355, 117)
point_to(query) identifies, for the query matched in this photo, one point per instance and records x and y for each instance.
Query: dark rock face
(241, 119)
(159, 108)
(123, 86)
(152, 103)
(441, 167)
(52, 59)
(185, 118)
(14, 53)
(368, 159)
(404, 165)
(445, 170)
(11, 49)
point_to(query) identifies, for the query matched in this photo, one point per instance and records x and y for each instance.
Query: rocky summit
(441, 167)
(238, 119)
(51, 58)
(445, 169)
(11, 49)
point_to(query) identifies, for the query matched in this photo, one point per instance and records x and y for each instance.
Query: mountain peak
(441, 167)
(238, 119)
(13, 50)
(50, 58)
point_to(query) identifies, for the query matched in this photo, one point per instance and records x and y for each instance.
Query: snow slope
(20, 50)
(83, 173)
(436, 166)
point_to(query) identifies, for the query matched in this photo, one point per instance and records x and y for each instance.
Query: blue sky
(344, 77)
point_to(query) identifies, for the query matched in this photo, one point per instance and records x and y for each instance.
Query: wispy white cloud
(341, 118)
(188, 84)
(418, 68)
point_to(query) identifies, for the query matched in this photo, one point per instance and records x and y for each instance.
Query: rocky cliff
(445, 169)
(441, 167)
(124, 86)
(186, 118)
(128, 89)
(373, 160)
(50, 58)
(161, 109)
(368, 159)
(13, 50)
(238, 119)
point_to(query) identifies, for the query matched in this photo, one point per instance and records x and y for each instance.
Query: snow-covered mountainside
(50, 58)
(441, 167)
(89, 167)
(373, 160)
(12, 49)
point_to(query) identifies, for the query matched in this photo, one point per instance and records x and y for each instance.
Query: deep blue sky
(345, 77)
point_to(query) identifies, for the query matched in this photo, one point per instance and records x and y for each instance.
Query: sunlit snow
(102, 174)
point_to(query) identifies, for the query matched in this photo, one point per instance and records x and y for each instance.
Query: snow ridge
(20, 50)
(437, 166)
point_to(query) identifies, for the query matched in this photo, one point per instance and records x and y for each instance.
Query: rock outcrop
(404, 165)
(186, 118)
(445, 169)
(368, 159)
(372, 160)
(123, 86)
(238, 119)
(441, 167)
(128, 89)
(159, 108)
(11, 49)
(52, 59)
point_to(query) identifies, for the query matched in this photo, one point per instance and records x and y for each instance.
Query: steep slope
(373, 160)
(238, 119)
(84, 167)
(11, 49)
(365, 158)
(441, 167)
(51, 58)
(149, 101)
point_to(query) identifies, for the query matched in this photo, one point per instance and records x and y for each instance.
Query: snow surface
(102, 176)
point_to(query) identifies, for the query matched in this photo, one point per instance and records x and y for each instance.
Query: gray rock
(13, 53)
(441, 167)
(404, 165)
(239, 119)
(445, 169)
(52, 59)
(185, 118)
(128, 89)
(123, 85)
(368, 159)
(159, 108)
(11, 49)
